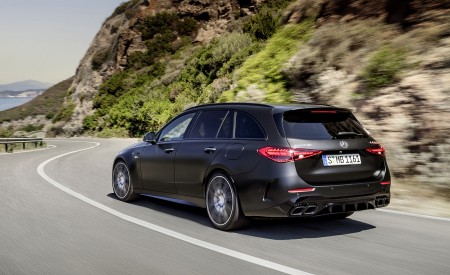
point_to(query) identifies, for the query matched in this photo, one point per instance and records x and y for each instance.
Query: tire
(121, 182)
(222, 203)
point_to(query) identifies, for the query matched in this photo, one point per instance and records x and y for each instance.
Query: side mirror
(150, 137)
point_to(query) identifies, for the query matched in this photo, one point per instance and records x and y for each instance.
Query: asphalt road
(58, 216)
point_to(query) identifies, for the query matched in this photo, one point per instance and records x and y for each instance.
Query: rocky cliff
(119, 37)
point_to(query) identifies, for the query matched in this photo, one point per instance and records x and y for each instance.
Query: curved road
(58, 216)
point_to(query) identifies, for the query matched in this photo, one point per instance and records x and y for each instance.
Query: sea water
(11, 102)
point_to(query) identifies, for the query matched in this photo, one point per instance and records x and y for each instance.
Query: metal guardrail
(10, 142)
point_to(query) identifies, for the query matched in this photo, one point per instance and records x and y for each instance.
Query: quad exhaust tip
(304, 210)
(382, 201)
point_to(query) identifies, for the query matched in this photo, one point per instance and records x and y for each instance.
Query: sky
(45, 40)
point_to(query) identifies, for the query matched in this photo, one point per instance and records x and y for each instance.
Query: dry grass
(412, 197)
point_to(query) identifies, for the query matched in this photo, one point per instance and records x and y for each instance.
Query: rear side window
(322, 124)
(247, 127)
(208, 124)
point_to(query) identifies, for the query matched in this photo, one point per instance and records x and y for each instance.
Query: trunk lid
(342, 140)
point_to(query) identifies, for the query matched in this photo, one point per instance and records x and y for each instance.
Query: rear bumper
(319, 206)
(325, 200)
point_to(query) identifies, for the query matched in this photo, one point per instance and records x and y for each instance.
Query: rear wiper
(347, 134)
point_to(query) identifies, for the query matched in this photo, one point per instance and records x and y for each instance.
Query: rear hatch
(333, 146)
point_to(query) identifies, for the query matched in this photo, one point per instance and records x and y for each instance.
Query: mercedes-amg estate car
(242, 160)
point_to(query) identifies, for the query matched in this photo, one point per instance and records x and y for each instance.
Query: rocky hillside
(388, 60)
(121, 36)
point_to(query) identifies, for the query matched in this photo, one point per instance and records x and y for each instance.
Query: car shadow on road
(303, 228)
(267, 228)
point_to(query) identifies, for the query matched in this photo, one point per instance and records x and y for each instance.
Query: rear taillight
(286, 154)
(377, 151)
(385, 182)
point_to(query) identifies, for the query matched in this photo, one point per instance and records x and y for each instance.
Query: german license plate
(345, 159)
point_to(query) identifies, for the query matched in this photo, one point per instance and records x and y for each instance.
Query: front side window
(208, 124)
(176, 129)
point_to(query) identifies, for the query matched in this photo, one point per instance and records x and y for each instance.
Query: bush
(6, 132)
(267, 20)
(383, 67)
(264, 69)
(160, 34)
(128, 7)
(219, 58)
(110, 91)
(65, 114)
(262, 26)
(113, 132)
(90, 123)
(120, 9)
(32, 128)
(99, 58)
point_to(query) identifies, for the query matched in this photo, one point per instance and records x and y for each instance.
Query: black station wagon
(242, 160)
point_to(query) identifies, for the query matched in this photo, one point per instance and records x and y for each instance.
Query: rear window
(247, 127)
(322, 124)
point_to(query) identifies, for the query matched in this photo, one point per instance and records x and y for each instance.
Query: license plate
(346, 159)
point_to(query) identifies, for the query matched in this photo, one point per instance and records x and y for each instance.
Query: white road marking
(162, 230)
(414, 215)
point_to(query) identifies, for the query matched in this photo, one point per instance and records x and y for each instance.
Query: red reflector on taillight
(385, 182)
(377, 151)
(286, 154)
(301, 190)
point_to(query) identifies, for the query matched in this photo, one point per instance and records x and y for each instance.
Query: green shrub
(99, 58)
(267, 20)
(49, 115)
(129, 113)
(262, 26)
(219, 58)
(113, 132)
(120, 9)
(383, 67)
(264, 69)
(128, 7)
(164, 23)
(163, 33)
(110, 91)
(6, 132)
(66, 112)
(90, 122)
(32, 128)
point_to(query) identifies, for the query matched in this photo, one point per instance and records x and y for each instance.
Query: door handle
(209, 150)
(169, 150)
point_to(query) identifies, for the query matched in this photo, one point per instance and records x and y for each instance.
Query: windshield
(320, 124)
